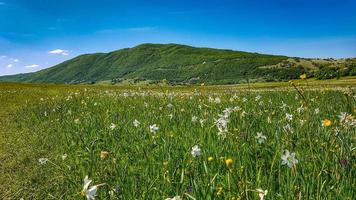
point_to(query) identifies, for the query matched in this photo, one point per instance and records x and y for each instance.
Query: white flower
(153, 128)
(289, 117)
(261, 138)
(262, 193)
(217, 100)
(170, 116)
(289, 159)
(89, 193)
(288, 128)
(317, 110)
(202, 121)
(236, 108)
(112, 126)
(210, 99)
(222, 121)
(42, 161)
(342, 116)
(64, 156)
(221, 124)
(196, 151)
(227, 112)
(194, 119)
(136, 123)
(302, 122)
(257, 98)
(300, 109)
(347, 119)
(244, 99)
(174, 198)
(170, 105)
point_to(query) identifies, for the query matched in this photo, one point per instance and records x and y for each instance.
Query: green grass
(48, 121)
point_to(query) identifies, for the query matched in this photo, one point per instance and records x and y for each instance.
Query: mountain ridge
(183, 64)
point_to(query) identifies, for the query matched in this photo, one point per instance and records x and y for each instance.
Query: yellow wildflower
(327, 122)
(303, 76)
(229, 162)
(104, 155)
(210, 158)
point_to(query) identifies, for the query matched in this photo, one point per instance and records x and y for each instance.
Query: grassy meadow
(161, 142)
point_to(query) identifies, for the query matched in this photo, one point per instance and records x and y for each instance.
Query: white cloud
(3, 56)
(56, 51)
(32, 66)
(9, 65)
(59, 51)
(14, 60)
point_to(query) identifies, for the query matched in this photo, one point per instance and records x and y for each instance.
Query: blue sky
(35, 34)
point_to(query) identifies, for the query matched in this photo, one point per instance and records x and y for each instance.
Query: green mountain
(180, 64)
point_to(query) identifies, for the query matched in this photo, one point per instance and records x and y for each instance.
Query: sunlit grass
(207, 142)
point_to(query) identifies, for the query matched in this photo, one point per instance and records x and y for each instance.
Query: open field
(266, 140)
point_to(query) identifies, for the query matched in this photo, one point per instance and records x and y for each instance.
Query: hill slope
(175, 63)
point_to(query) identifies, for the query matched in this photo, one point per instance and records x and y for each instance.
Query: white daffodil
(153, 128)
(43, 161)
(317, 110)
(112, 126)
(302, 122)
(202, 121)
(217, 100)
(136, 123)
(261, 138)
(194, 119)
(221, 124)
(174, 198)
(64, 156)
(262, 193)
(196, 151)
(347, 119)
(289, 117)
(89, 193)
(257, 98)
(289, 159)
(288, 128)
(300, 110)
